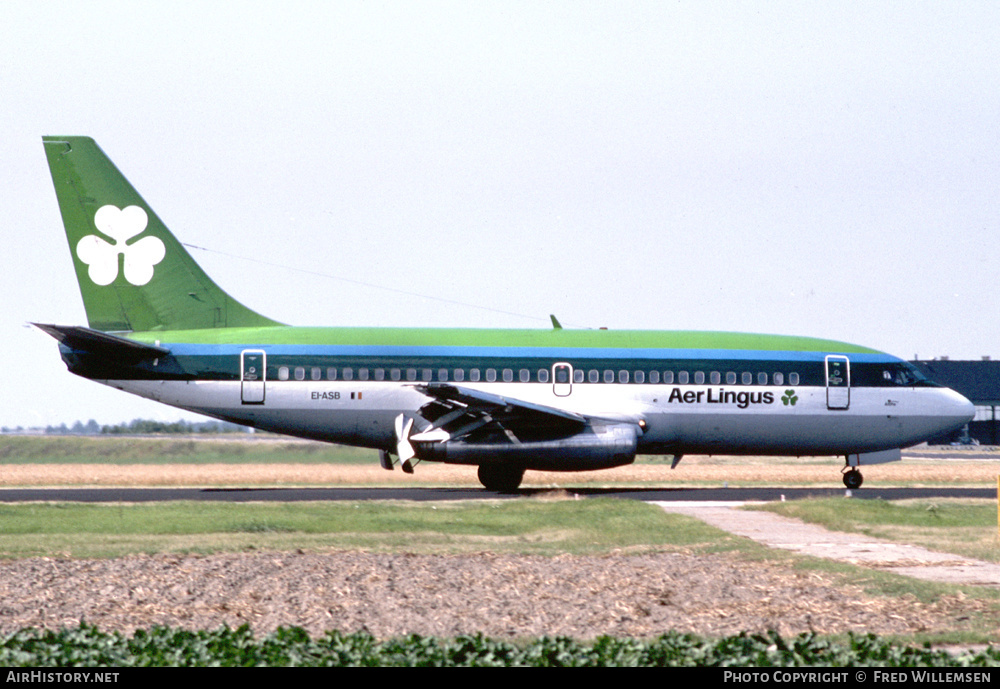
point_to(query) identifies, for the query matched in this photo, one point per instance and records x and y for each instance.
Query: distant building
(979, 381)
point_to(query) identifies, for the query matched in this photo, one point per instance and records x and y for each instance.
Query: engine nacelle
(597, 447)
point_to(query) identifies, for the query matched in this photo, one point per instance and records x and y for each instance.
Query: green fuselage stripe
(468, 337)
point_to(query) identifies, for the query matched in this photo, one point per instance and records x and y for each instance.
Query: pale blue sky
(827, 169)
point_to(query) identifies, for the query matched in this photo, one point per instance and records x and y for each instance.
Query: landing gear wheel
(500, 478)
(853, 479)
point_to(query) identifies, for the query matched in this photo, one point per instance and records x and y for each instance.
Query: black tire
(853, 479)
(501, 478)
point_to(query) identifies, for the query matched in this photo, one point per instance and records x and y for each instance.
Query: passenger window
(362, 374)
(609, 376)
(668, 377)
(458, 375)
(640, 377)
(315, 373)
(778, 378)
(380, 374)
(348, 374)
(682, 377)
(300, 373)
(747, 378)
(474, 375)
(699, 377)
(793, 378)
(426, 374)
(654, 377)
(578, 375)
(543, 375)
(331, 373)
(491, 375)
(442, 374)
(508, 375)
(524, 375)
(282, 373)
(411, 374)
(761, 378)
(593, 376)
(730, 377)
(395, 374)
(715, 377)
(623, 376)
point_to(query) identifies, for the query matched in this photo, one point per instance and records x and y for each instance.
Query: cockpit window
(904, 375)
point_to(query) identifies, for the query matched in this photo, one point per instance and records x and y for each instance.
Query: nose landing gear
(852, 476)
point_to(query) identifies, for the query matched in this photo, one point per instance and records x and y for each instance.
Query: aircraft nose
(957, 409)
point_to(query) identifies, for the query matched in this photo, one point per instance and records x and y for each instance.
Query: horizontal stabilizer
(103, 344)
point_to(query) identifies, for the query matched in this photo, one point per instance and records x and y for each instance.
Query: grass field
(963, 527)
(541, 527)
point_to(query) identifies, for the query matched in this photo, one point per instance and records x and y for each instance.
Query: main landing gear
(853, 478)
(501, 478)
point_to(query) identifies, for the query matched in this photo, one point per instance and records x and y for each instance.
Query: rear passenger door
(253, 369)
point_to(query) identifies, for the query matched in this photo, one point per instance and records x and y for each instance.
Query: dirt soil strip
(700, 471)
(776, 531)
(502, 596)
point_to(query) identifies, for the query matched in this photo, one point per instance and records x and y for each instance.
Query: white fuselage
(677, 418)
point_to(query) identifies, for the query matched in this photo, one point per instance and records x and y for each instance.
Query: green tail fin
(134, 275)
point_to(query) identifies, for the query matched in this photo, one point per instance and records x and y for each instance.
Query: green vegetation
(158, 647)
(963, 527)
(547, 527)
(137, 427)
(20, 449)
(148, 426)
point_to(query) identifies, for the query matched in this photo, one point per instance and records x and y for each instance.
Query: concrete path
(776, 531)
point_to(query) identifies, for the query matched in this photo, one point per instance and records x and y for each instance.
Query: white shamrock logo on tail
(121, 224)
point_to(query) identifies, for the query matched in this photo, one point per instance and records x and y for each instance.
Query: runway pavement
(423, 494)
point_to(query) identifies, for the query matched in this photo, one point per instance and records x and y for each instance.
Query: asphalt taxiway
(422, 494)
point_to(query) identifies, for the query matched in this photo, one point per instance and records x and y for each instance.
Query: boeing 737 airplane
(505, 401)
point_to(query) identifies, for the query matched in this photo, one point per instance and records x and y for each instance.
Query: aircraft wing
(459, 413)
(453, 395)
(467, 426)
